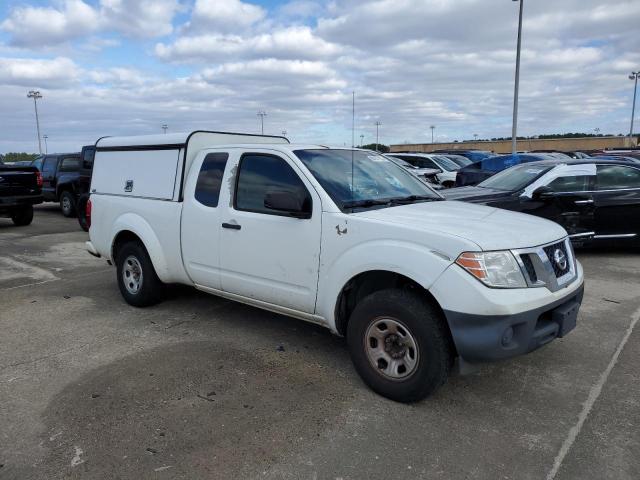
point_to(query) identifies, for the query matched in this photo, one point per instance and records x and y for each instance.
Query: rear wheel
(22, 216)
(137, 279)
(399, 345)
(448, 184)
(68, 204)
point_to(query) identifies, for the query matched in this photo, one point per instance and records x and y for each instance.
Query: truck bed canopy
(154, 166)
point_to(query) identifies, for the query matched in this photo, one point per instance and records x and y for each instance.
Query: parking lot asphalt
(201, 387)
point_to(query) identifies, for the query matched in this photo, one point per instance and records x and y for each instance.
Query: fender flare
(140, 227)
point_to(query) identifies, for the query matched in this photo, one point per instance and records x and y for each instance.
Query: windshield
(377, 181)
(460, 160)
(446, 163)
(515, 178)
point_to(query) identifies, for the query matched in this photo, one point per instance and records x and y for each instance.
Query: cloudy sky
(109, 67)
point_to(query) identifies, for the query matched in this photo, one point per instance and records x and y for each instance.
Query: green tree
(11, 157)
(372, 146)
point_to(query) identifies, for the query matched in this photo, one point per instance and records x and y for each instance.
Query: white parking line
(594, 393)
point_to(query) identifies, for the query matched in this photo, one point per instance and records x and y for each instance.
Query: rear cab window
(210, 178)
(70, 164)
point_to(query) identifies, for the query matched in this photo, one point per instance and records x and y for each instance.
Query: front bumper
(480, 338)
(491, 324)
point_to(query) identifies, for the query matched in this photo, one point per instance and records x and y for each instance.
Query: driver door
(265, 254)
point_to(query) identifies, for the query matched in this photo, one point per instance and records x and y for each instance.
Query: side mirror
(288, 203)
(543, 194)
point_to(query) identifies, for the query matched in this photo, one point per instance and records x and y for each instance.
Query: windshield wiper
(365, 203)
(412, 198)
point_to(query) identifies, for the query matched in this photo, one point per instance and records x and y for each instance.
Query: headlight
(494, 269)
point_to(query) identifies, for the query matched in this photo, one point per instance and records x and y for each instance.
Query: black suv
(65, 177)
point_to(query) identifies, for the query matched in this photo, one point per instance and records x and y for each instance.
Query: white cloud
(287, 43)
(48, 26)
(35, 26)
(224, 15)
(36, 73)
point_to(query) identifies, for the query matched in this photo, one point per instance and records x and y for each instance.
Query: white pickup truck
(340, 237)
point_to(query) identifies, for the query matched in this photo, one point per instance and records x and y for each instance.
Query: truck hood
(489, 228)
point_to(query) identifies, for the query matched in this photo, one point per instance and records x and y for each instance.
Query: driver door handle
(232, 226)
(583, 202)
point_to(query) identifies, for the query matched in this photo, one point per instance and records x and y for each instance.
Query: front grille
(556, 259)
(528, 265)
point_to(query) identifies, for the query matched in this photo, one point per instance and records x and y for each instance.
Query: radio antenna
(353, 136)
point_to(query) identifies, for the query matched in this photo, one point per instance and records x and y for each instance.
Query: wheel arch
(371, 281)
(132, 227)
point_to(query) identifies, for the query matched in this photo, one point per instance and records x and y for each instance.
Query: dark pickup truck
(20, 190)
(66, 177)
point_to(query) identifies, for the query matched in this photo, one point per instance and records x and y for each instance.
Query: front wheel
(22, 216)
(68, 204)
(137, 279)
(399, 345)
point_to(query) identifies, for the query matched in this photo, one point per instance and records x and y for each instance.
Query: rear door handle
(583, 202)
(232, 226)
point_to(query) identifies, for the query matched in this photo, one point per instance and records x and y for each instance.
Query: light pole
(262, 114)
(475, 137)
(597, 130)
(46, 148)
(165, 127)
(284, 133)
(35, 94)
(361, 139)
(514, 128)
(633, 76)
(377, 132)
(432, 127)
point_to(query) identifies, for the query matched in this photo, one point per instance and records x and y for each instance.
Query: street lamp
(633, 76)
(165, 127)
(262, 114)
(35, 94)
(46, 149)
(475, 137)
(377, 131)
(514, 129)
(432, 127)
(361, 140)
(597, 130)
(284, 133)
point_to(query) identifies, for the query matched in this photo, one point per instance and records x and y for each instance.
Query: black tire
(448, 184)
(68, 204)
(22, 216)
(428, 331)
(150, 287)
(81, 210)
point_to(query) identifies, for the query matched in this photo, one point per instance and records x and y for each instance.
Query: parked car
(595, 200)
(20, 190)
(447, 168)
(429, 175)
(339, 237)
(479, 171)
(65, 177)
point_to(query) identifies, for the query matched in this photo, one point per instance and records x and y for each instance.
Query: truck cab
(343, 238)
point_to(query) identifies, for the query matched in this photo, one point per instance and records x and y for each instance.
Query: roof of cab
(178, 138)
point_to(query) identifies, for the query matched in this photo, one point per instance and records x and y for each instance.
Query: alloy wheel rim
(391, 348)
(132, 275)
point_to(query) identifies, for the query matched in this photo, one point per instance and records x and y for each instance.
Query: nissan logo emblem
(560, 259)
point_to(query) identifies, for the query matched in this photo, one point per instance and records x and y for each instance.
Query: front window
(359, 179)
(515, 178)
